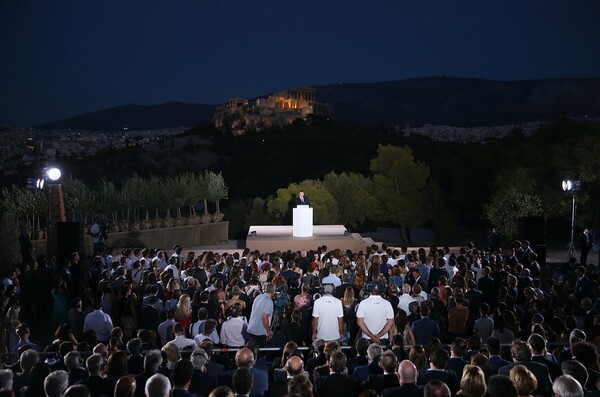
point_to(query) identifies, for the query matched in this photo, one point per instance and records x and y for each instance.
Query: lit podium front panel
(302, 221)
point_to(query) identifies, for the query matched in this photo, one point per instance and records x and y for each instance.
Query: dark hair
(439, 357)
(182, 372)
(501, 386)
(242, 380)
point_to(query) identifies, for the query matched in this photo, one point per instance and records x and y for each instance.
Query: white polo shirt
(328, 310)
(375, 311)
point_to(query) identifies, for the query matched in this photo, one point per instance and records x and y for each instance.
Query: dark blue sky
(59, 59)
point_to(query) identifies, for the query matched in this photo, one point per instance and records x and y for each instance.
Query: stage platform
(280, 238)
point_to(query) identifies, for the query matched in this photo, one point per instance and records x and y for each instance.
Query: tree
(399, 181)
(216, 188)
(353, 194)
(508, 205)
(78, 198)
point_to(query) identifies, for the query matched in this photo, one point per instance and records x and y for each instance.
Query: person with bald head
(407, 376)
(125, 386)
(282, 376)
(244, 358)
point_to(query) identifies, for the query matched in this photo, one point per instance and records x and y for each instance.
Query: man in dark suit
(436, 371)
(341, 289)
(585, 242)
(425, 328)
(242, 381)
(487, 287)
(152, 361)
(538, 347)
(337, 383)
(282, 377)
(496, 361)
(181, 376)
(244, 358)
(95, 382)
(521, 354)
(301, 199)
(388, 363)
(149, 315)
(407, 377)
(583, 285)
(458, 348)
(363, 372)
(202, 382)
(360, 359)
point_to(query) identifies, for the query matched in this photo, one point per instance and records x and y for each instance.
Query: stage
(280, 238)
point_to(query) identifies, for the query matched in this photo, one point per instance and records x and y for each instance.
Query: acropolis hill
(239, 115)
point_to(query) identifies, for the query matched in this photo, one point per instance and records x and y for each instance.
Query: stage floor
(280, 238)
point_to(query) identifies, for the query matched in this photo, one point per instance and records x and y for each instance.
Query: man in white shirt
(328, 316)
(375, 315)
(181, 341)
(99, 321)
(173, 267)
(331, 278)
(405, 299)
(234, 331)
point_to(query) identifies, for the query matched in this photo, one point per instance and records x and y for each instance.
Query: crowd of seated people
(379, 322)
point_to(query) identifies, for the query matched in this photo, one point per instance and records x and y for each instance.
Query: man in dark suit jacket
(487, 287)
(496, 361)
(521, 354)
(152, 361)
(538, 346)
(96, 383)
(456, 363)
(363, 372)
(425, 328)
(244, 358)
(202, 382)
(279, 387)
(337, 382)
(360, 359)
(386, 380)
(301, 199)
(407, 377)
(437, 363)
(149, 316)
(181, 376)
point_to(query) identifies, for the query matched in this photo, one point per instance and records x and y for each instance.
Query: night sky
(59, 59)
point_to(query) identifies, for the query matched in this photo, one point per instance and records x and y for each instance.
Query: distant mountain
(434, 100)
(139, 117)
(461, 102)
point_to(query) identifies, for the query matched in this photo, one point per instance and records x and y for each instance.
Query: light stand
(572, 187)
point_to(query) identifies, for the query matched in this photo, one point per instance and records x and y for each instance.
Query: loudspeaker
(69, 236)
(533, 228)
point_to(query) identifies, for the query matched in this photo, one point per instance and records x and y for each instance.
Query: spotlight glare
(54, 174)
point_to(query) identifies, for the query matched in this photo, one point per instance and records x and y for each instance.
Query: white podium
(302, 221)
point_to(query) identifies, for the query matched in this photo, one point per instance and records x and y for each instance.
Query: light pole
(572, 187)
(56, 208)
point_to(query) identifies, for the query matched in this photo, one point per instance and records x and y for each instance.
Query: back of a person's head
(439, 358)
(182, 373)
(524, 379)
(576, 369)
(362, 344)
(567, 386)
(242, 381)
(244, 358)
(199, 359)
(56, 383)
(77, 391)
(94, 363)
(134, 346)
(28, 359)
(221, 391)
(459, 346)
(6, 379)
(502, 386)
(158, 385)
(374, 352)
(436, 388)
(493, 345)
(388, 362)
(300, 386)
(152, 361)
(473, 383)
(337, 362)
(520, 350)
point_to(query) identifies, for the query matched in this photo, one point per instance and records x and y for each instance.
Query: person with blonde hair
(183, 311)
(472, 383)
(524, 379)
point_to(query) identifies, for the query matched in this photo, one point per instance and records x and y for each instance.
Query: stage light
(53, 174)
(35, 183)
(571, 186)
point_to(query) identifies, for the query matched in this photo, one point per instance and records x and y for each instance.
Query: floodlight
(33, 183)
(54, 174)
(570, 185)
